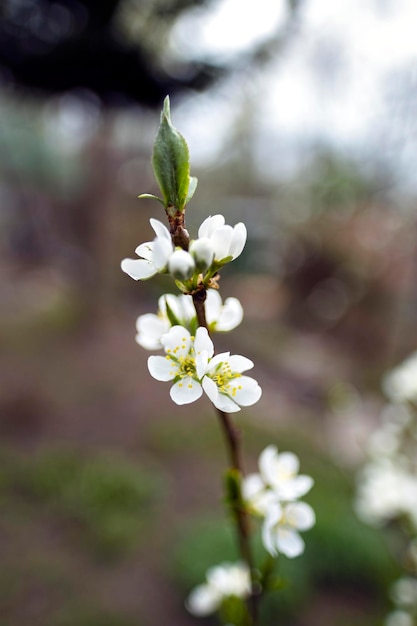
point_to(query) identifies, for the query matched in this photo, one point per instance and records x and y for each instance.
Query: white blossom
(190, 364)
(404, 592)
(399, 618)
(154, 254)
(386, 490)
(222, 581)
(227, 241)
(221, 317)
(277, 481)
(281, 525)
(400, 384)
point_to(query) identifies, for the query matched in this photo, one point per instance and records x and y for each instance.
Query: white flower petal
(222, 357)
(177, 341)
(267, 462)
(213, 306)
(210, 388)
(289, 542)
(238, 241)
(203, 600)
(269, 535)
(211, 224)
(221, 240)
(300, 515)
(239, 363)
(300, 485)
(160, 229)
(150, 329)
(145, 250)
(289, 464)
(247, 392)
(252, 485)
(161, 368)
(226, 404)
(203, 342)
(201, 363)
(185, 391)
(138, 269)
(230, 315)
(162, 251)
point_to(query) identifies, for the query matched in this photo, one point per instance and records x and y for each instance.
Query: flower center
(184, 364)
(223, 377)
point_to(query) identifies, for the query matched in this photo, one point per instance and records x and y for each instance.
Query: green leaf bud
(171, 164)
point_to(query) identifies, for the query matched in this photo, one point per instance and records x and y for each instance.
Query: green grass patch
(105, 498)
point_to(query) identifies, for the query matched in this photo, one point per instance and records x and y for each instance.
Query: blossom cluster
(192, 366)
(190, 362)
(217, 244)
(180, 311)
(387, 484)
(273, 495)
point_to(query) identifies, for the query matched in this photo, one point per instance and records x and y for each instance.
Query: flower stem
(199, 298)
(232, 437)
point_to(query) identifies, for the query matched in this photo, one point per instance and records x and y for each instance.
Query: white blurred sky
(348, 77)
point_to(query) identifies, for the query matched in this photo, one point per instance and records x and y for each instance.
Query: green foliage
(233, 611)
(106, 497)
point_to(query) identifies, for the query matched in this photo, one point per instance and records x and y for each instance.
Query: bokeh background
(300, 117)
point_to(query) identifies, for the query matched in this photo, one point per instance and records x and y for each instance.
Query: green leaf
(171, 163)
(151, 196)
(192, 187)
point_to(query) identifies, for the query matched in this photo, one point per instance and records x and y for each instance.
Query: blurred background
(300, 117)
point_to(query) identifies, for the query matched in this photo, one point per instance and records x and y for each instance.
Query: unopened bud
(203, 252)
(181, 265)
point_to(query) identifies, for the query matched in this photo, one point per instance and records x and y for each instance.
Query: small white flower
(154, 254)
(180, 364)
(223, 581)
(399, 618)
(400, 384)
(189, 362)
(223, 382)
(181, 265)
(227, 241)
(256, 495)
(281, 526)
(149, 330)
(386, 491)
(221, 317)
(404, 592)
(280, 473)
(278, 481)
